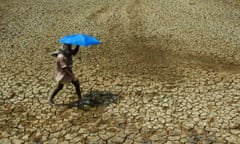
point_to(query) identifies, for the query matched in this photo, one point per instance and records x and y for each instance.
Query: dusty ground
(171, 66)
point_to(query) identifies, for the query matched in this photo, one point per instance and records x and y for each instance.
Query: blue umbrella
(79, 39)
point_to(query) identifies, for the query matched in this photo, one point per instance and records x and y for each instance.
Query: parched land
(167, 71)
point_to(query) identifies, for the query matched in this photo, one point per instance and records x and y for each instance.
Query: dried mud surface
(166, 71)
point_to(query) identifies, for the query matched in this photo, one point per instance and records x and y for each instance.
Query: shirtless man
(64, 72)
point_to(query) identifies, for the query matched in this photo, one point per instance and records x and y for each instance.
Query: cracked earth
(166, 72)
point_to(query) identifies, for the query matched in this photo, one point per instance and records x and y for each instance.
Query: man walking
(64, 73)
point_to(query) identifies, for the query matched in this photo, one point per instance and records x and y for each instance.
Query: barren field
(167, 71)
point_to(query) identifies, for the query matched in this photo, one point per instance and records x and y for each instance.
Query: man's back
(62, 63)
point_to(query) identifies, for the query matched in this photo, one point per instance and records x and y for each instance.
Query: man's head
(67, 49)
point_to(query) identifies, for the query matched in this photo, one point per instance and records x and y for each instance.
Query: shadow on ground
(196, 138)
(94, 98)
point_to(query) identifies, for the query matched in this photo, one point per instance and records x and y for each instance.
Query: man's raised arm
(75, 51)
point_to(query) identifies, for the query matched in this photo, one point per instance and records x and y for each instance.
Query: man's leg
(77, 87)
(59, 87)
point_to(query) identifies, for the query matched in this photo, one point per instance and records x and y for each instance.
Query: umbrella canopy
(79, 39)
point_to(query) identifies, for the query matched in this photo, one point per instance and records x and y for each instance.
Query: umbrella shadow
(95, 98)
